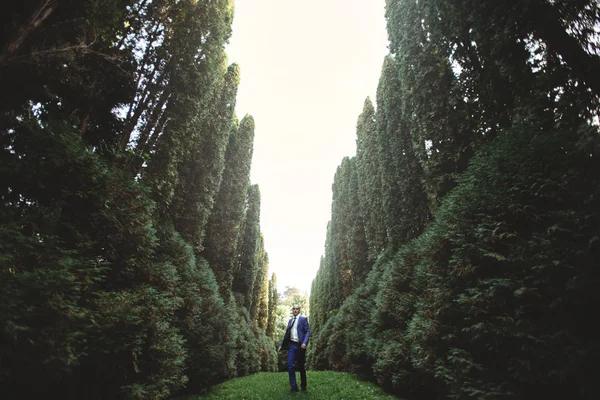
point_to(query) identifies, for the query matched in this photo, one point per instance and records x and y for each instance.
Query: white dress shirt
(294, 330)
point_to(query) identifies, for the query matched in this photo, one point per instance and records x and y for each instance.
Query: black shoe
(294, 389)
(303, 388)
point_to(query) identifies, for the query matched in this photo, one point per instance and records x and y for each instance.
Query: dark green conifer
(223, 230)
(273, 303)
(404, 202)
(247, 273)
(368, 167)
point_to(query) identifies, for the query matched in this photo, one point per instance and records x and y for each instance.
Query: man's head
(296, 309)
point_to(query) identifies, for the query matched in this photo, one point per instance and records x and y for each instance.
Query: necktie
(293, 321)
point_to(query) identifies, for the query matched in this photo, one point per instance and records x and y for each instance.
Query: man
(296, 338)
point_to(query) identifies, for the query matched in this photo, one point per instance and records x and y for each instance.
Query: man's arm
(307, 335)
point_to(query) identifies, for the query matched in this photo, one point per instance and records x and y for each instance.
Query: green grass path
(322, 385)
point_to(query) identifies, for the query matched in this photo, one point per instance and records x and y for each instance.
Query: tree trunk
(41, 13)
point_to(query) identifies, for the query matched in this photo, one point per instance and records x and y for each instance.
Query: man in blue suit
(296, 339)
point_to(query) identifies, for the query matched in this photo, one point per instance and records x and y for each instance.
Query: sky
(306, 69)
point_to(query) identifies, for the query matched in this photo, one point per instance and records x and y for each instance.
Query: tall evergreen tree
(261, 287)
(221, 240)
(368, 166)
(196, 80)
(442, 145)
(201, 170)
(340, 278)
(248, 256)
(273, 303)
(404, 202)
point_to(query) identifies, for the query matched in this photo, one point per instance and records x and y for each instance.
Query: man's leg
(292, 350)
(301, 368)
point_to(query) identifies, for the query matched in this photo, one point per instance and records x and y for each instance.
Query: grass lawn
(322, 385)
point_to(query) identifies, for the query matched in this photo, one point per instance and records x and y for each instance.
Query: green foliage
(223, 231)
(292, 296)
(273, 303)
(63, 58)
(199, 174)
(516, 293)
(80, 269)
(248, 272)
(246, 344)
(102, 291)
(134, 332)
(404, 202)
(485, 290)
(261, 287)
(254, 351)
(473, 306)
(267, 354)
(436, 115)
(319, 352)
(203, 319)
(368, 170)
(197, 116)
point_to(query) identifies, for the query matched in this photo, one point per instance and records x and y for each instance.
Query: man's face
(296, 310)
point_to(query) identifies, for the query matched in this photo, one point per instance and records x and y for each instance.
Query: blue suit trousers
(296, 356)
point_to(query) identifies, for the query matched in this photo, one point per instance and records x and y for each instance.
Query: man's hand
(279, 350)
(303, 346)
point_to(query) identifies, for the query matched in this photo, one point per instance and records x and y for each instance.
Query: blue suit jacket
(303, 331)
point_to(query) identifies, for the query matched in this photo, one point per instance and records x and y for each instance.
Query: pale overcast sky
(306, 69)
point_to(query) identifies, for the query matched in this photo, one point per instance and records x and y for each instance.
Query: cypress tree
(273, 303)
(368, 166)
(200, 172)
(358, 248)
(404, 202)
(442, 145)
(317, 296)
(261, 287)
(222, 232)
(330, 281)
(246, 276)
(196, 77)
(340, 275)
